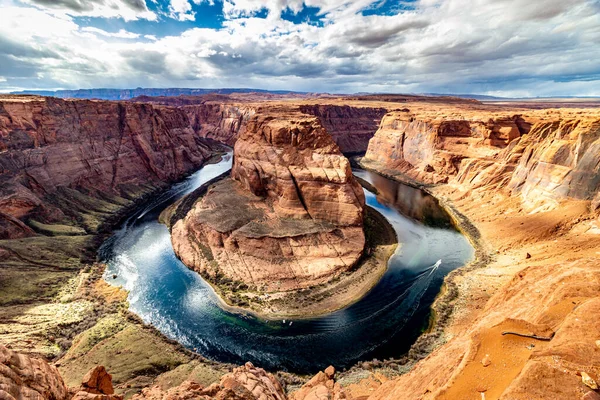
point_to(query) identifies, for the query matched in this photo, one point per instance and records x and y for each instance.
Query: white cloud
(181, 10)
(481, 46)
(126, 9)
(122, 33)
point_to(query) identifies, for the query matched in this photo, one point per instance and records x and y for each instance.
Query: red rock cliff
(541, 156)
(351, 127)
(292, 216)
(95, 147)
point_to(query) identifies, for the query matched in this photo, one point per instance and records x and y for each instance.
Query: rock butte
(290, 217)
(524, 175)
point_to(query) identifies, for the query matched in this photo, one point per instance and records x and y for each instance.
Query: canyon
(522, 182)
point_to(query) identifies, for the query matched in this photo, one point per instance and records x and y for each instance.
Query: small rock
(598, 343)
(486, 360)
(114, 276)
(98, 381)
(330, 372)
(528, 256)
(591, 396)
(588, 381)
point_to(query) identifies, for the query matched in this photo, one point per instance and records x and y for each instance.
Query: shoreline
(442, 308)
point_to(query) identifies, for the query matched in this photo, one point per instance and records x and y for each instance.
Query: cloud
(181, 10)
(482, 46)
(122, 33)
(126, 9)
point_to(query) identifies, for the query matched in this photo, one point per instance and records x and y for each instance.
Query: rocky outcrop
(26, 378)
(321, 386)
(97, 385)
(351, 127)
(290, 218)
(91, 149)
(243, 383)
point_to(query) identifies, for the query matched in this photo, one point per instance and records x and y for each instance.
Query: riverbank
(532, 273)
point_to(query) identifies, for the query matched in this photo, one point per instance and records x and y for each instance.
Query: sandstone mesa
(290, 218)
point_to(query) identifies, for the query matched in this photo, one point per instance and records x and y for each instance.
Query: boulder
(27, 378)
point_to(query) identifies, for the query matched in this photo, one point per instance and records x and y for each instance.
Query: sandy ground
(512, 245)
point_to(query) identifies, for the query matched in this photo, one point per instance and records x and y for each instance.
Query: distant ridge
(127, 94)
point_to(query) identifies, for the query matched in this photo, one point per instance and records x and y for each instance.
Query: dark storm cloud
(12, 67)
(17, 49)
(152, 62)
(369, 36)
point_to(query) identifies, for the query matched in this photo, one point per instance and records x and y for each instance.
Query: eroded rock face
(560, 159)
(431, 148)
(543, 157)
(94, 147)
(350, 127)
(26, 378)
(292, 161)
(290, 218)
(243, 383)
(222, 122)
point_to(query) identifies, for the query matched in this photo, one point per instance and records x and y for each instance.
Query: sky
(516, 48)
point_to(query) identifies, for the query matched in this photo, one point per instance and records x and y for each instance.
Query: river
(177, 301)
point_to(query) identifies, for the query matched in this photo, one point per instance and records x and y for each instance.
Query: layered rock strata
(542, 156)
(57, 156)
(291, 217)
(350, 127)
(431, 147)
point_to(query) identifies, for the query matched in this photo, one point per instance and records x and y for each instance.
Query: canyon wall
(526, 179)
(350, 127)
(541, 156)
(221, 122)
(290, 218)
(56, 155)
(223, 118)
